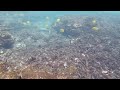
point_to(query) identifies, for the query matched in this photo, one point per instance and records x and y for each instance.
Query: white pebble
(1, 52)
(72, 41)
(20, 64)
(112, 72)
(76, 58)
(104, 72)
(83, 54)
(65, 64)
(20, 45)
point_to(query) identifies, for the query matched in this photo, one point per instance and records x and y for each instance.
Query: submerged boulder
(6, 40)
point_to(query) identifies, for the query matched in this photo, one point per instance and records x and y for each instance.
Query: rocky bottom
(56, 55)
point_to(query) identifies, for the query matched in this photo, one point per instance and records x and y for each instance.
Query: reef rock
(6, 40)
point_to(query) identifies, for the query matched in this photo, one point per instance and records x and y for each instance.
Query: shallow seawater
(59, 44)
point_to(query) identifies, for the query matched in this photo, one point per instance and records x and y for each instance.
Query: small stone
(83, 54)
(105, 72)
(20, 45)
(65, 64)
(112, 71)
(72, 41)
(20, 64)
(1, 52)
(76, 58)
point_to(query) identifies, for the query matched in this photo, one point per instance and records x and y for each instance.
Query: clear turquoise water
(61, 13)
(57, 13)
(39, 16)
(53, 14)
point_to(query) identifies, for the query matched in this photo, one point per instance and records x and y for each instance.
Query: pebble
(20, 45)
(76, 58)
(83, 54)
(1, 52)
(105, 72)
(65, 64)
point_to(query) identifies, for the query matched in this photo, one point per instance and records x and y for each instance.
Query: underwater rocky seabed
(78, 52)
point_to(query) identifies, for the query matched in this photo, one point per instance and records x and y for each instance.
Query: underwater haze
(59, 45)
